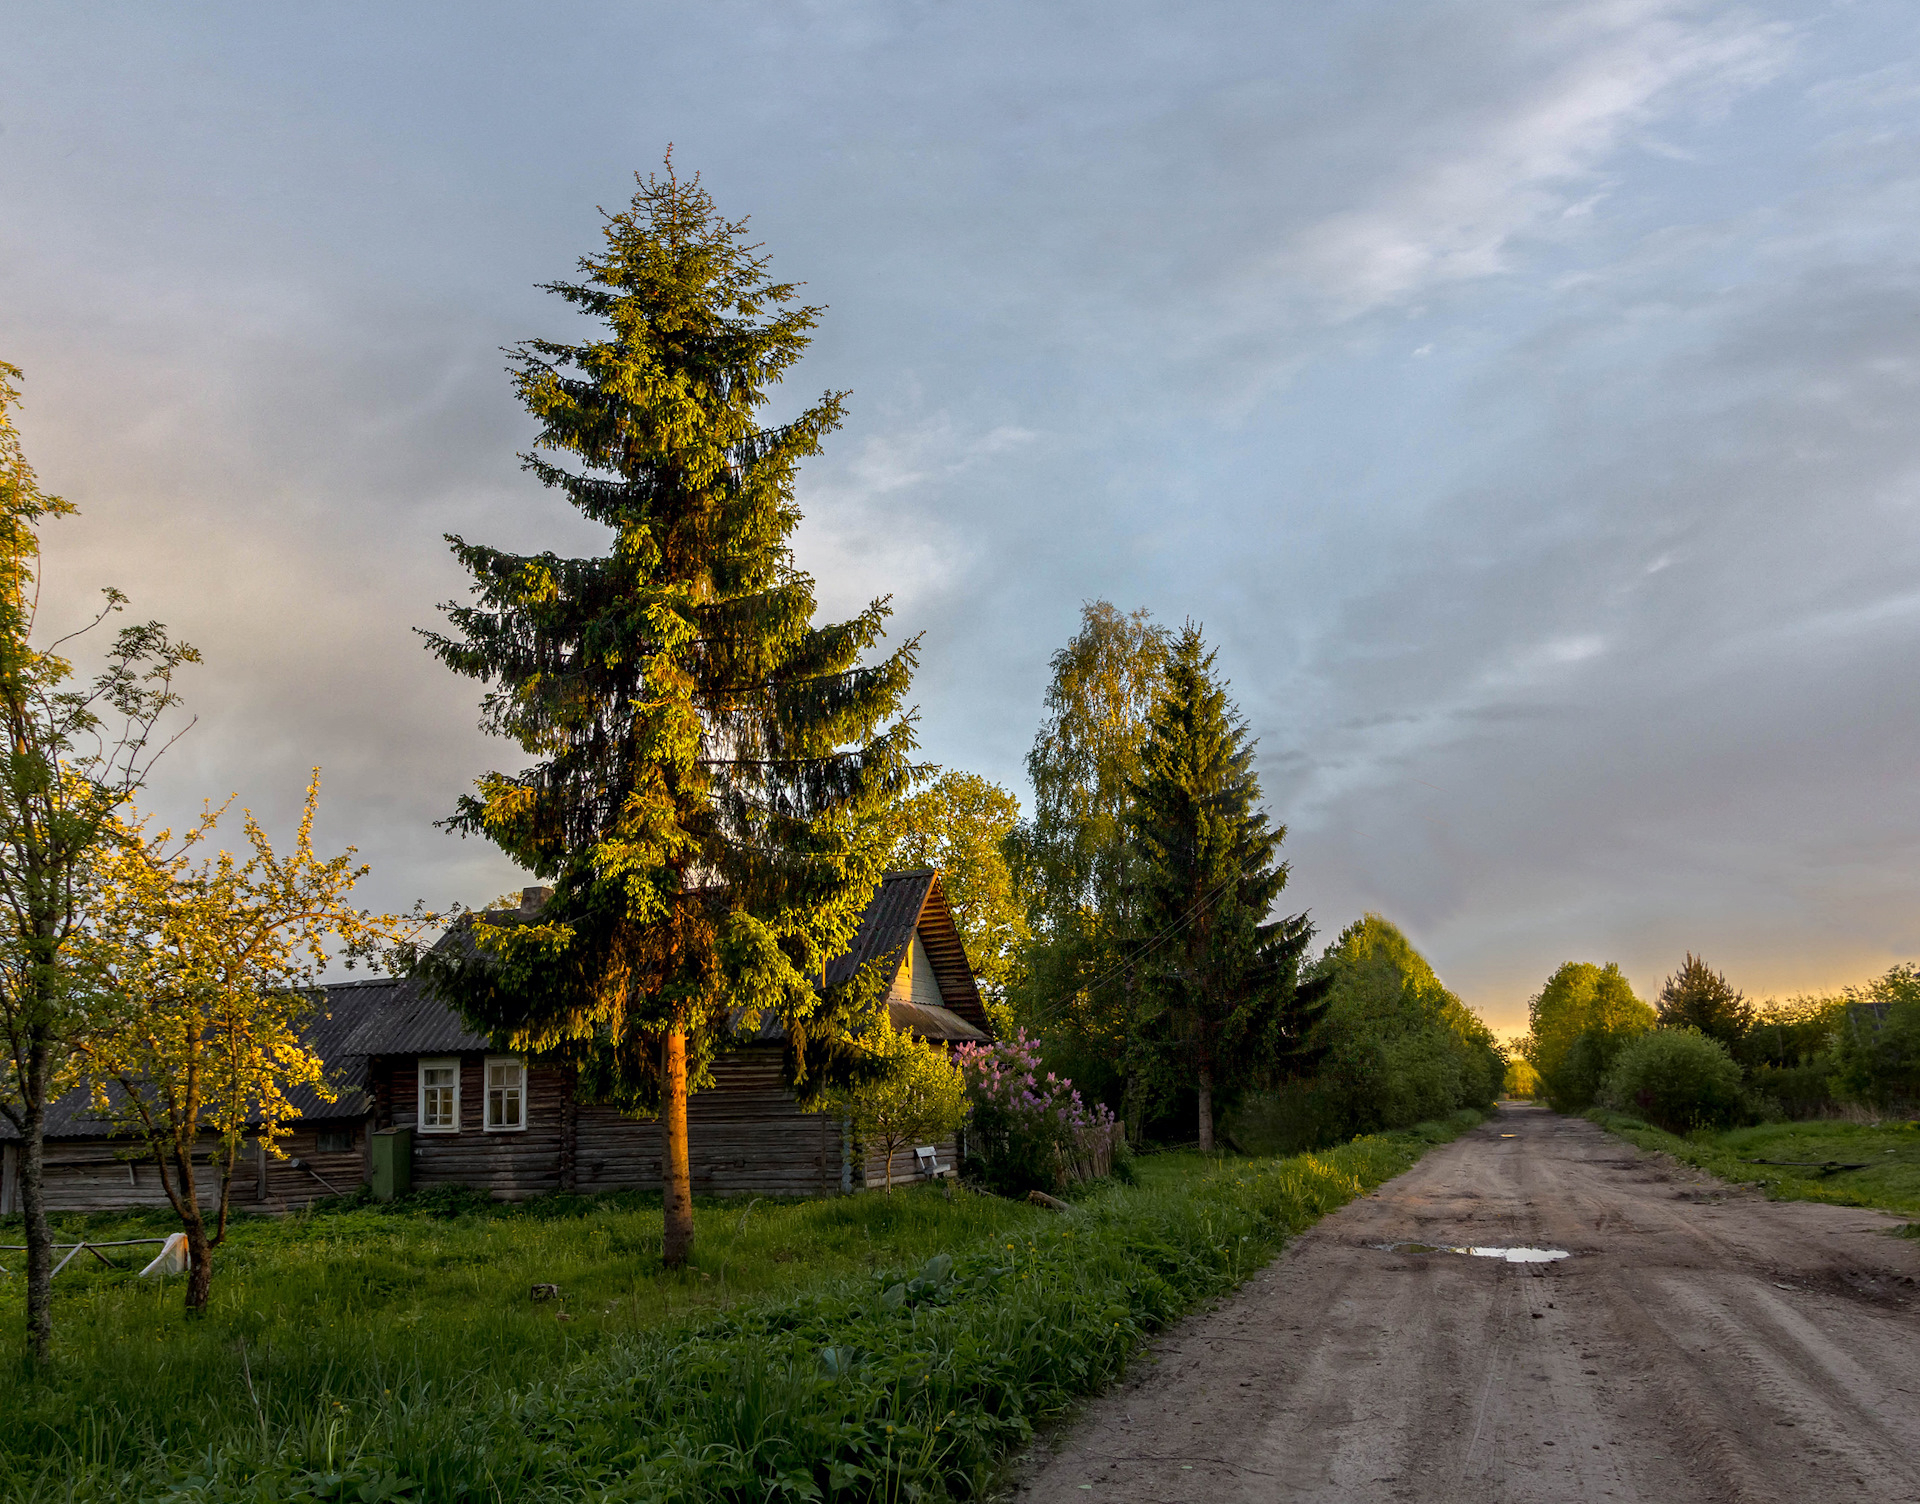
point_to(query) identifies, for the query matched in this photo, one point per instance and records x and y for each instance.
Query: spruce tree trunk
(676, 1179)
(1206, 1106)
(33, 1202)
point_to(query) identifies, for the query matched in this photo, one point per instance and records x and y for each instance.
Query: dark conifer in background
(1221, 1001)
(706, 759)
(1698, 997)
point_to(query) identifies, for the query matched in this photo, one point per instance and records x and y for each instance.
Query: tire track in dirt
(1700, 1344)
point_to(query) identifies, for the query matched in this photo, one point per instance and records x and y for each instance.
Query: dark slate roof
(344, 1008)
(410, 1020)
(888, 923)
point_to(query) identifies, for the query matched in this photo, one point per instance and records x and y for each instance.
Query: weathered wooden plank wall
(746, 1135)
(87, 1175)
(513, 1165)
(906, 1164)
(287, 1187)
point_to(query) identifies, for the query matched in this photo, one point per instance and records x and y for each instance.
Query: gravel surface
(1699, 1343)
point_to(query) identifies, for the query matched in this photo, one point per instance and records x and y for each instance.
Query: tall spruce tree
(1222, 1002)
(1698, 997)
(708, 759)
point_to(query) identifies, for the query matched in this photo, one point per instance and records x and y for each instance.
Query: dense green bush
(1794, 1091)
(1677, 1079)
(1876, 1042)
(1399, 1049)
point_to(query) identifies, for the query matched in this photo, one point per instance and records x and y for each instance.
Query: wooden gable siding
(915, 981)
(946, 956)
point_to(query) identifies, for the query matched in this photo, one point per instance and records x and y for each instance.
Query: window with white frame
(439, 1096)
(506, 1094)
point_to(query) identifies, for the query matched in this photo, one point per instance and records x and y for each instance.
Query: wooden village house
(424, 1101)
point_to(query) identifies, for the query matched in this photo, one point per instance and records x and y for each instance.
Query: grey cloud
(1129, 303)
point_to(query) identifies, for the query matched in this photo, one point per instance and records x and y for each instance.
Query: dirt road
(1700, 1343)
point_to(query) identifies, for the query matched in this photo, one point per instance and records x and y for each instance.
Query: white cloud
(1590, 77)
(882, 521)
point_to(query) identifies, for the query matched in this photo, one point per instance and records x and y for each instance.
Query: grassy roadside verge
(1890, 1150)
(909, 1382)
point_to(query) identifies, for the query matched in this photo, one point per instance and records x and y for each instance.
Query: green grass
(859, 1348)
(1890, 1150)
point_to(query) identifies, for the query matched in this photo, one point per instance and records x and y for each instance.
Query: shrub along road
(1700, 1343)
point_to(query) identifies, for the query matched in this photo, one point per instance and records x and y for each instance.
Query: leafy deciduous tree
(1399, 1046)
(1071, 860)
(1105, 683)
(959, 824)
(911, 1093)
(72, 757)
(708, 761)
(208, 974)
(1876, 1040)
(1580, 1021)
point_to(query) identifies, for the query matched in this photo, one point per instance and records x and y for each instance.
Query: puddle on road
(1511, 1255)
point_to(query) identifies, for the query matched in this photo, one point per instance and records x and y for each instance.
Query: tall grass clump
(911, 1381)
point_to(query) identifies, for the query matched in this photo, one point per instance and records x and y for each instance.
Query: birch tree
(72, 754)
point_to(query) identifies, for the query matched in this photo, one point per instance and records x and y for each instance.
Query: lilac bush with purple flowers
(1029, 1130)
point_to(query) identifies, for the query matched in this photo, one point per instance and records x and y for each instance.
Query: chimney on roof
(532, 900)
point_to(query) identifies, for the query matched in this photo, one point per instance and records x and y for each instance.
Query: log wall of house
(746, 1135)
(89, 1175)
(99, 1174)
(340, 1171)
(906, 1164)
(512, 1164)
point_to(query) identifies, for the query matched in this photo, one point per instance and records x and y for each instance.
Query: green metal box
(392, 1163)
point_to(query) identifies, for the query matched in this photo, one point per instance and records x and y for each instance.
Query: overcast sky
(1520, 394)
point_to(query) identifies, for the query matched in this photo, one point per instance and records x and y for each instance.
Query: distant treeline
(1703, 1055)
